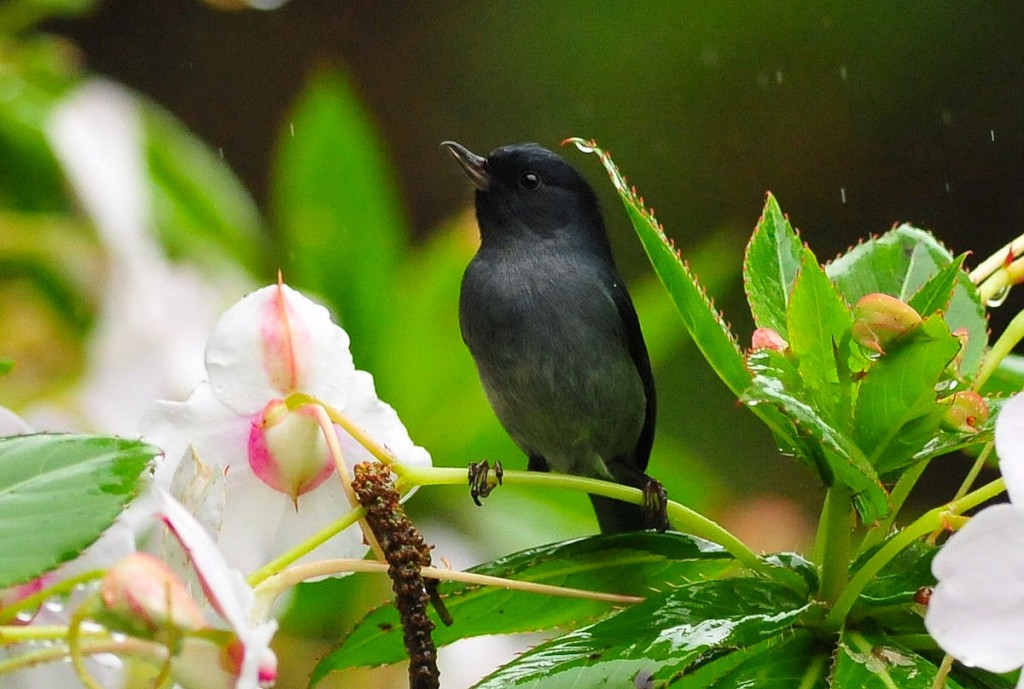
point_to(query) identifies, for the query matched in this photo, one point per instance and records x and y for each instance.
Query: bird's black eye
(529, 181)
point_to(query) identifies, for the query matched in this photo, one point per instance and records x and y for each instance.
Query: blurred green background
(306, 138)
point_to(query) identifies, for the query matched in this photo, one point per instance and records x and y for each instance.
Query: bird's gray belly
(560, 379)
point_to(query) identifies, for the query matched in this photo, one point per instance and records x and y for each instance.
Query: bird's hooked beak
(474, 165)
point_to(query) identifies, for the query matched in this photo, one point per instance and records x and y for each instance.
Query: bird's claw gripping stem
(480, 482)
(656, 505)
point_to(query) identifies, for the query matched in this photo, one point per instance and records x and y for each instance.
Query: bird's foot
(655, 505)
(480, 482)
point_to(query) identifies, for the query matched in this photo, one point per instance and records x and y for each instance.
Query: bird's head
(527, 190)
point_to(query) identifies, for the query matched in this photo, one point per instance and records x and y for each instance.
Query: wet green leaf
(58, 493)
(875, 662)
(669, 634)
(630, 564)
(898, 412)
(780, 662)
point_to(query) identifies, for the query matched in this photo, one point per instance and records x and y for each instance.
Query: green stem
(307, 546)
(10, 612)
(976, 468)
(832, 545)
(1004, 345)
(926, 523)
(900, 492)
(683, 518)
(814, 673)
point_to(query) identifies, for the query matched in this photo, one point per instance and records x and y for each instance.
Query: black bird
(553, 331)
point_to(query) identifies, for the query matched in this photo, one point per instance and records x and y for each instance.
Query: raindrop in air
(842, 194)
(947, 117)
(291, 128)
(842, 72)
(992, 134)
(998, 298)
(778, 76)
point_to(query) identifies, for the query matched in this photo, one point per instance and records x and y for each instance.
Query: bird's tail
(615, 516)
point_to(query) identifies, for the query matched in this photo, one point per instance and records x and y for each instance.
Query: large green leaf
(58, 493)
(629, 564)
(770, 267)
(897, 410)
(786, 661)
(902, 577)
(900, 263)
(337, 209)
(705, 325)
(659, 639)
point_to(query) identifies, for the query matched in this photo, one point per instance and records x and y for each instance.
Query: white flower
(274, 461)
(153, 314)
(247, 662)
(976, 612)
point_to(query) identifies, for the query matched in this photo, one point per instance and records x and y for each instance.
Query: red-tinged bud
(880, 319)
(923, 595)
(288, 451)
(766, 338)
(142, 596)
(967, 412)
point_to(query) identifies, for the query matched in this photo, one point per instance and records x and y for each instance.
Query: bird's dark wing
(638, 351)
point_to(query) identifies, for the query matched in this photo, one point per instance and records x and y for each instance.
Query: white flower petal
(976, 612)
(1010, 447)
(262, 524)
(262, 349)
(380, 421)
(219, 436)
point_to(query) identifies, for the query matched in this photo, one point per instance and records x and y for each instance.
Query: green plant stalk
(306, 546)
(925, 524)
(10, 612)
(900, 492)
(832, 543)
(976, 468)
(1013, 334)
(682, 517)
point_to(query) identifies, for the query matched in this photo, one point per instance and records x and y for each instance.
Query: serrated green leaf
(897, 411)
(658, 639)
(705, 325)
(198, 202)
(629, 564)
(336, 207)
(935, 295)
(770, 266)
(58, 493)
(875, 662)
(900, 263)
(819, 325)
(840, 456)
(785, 661)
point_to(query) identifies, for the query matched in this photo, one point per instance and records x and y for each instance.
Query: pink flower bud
(967, 412)
(142, 596)
(879, 320)
(766, 338)
(287, 449)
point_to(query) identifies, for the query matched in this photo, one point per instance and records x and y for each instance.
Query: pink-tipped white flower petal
(976, 612)
(1010, 447)
(274, 342)
(226, 590)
